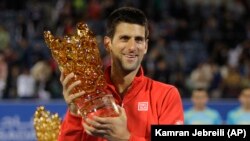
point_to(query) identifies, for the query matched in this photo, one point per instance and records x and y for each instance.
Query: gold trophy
(47, 126)
(79, 54)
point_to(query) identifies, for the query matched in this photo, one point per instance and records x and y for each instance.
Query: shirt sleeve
(172, 108)
(136, 138)
(71, 128)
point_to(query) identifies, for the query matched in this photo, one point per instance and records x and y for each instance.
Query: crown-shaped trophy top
(79, 53)
(47, 125)
(82, 33)
(81, 46)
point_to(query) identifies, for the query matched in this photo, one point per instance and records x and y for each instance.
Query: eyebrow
(124, 36)
(136, 37)
(139, 38)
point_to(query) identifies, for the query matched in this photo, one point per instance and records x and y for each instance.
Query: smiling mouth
(130, 56)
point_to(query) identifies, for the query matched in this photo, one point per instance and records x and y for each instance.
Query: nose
(132, 45)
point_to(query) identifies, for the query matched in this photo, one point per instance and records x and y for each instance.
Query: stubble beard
(128, 67)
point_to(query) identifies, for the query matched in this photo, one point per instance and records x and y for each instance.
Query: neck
(122, 80)
(199, 108)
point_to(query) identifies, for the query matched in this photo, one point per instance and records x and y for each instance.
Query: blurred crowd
(192, 44)
(200, 112)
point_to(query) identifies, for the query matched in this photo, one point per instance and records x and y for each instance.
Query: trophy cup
(47, 126)
(79, 54)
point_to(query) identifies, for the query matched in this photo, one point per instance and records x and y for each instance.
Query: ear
(107, 43)
(146, 46)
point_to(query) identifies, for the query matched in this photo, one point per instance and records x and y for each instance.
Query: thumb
(121, 110)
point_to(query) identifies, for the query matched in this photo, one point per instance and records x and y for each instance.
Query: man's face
(128, 46)
(199, 99)
(245, 98)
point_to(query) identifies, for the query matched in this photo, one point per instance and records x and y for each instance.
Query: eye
(124, 38)
(139, 39)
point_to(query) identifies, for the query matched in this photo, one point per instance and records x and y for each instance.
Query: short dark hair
(128, 15)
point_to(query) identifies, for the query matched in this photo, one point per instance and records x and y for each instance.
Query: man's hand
(111, 128)
(67, 92)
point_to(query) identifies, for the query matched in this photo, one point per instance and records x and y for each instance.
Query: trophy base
(101, 106)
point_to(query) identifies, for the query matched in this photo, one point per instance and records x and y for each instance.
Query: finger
(62, 75)
(72, 97)
(121, 110)
(103, 120)
(67, 79)
(88, 128)
(89, 133)
(95, 124)
(72, 86)
(92, 131)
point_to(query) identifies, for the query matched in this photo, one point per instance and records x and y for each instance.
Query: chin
(130, 67)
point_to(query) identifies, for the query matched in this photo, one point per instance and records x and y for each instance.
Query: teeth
(131, 55)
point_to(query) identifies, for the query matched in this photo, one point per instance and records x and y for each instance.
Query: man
(200, 113)
(241, 114)
(127, 42)
(3, 73)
